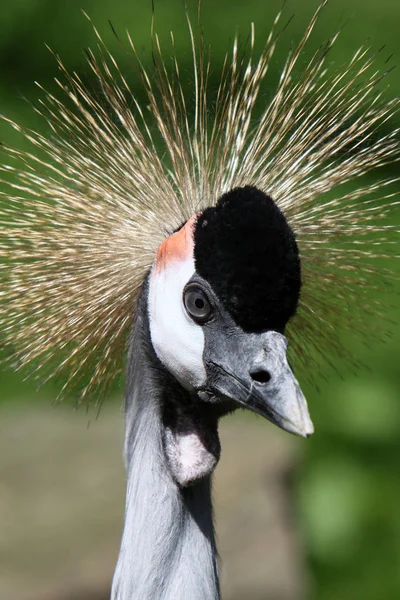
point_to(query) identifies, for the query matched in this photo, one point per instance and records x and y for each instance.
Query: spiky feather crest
(87, 208)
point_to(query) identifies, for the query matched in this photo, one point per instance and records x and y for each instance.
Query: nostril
(260, 375)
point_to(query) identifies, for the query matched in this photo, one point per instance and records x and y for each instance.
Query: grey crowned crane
(209, 325)
(205, 245)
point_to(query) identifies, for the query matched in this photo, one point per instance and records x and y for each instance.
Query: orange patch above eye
(178, 247)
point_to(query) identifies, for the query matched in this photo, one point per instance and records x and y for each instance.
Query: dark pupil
(199, 303)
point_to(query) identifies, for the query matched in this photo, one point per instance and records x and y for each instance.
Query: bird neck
(168, 549)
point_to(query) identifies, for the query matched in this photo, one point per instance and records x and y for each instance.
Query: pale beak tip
(305, 425)
(300, 423)
(305, 431)
(307, 428)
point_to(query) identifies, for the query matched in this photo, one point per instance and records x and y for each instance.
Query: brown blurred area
(62, 487)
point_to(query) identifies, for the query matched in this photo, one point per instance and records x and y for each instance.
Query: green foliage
(350, 486)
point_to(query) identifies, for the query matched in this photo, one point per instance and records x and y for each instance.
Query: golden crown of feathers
(84, 211)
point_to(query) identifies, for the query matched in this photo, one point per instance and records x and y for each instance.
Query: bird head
(221, 291)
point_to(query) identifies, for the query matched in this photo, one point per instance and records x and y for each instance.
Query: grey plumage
(168, 548)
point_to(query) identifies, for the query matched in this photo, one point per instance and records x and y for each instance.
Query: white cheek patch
(177, 340)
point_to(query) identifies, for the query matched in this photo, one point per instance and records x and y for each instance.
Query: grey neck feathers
(168, 549)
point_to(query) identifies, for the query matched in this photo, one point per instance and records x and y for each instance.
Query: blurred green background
(348, 487)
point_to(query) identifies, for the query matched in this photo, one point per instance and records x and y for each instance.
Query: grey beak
(253, 371)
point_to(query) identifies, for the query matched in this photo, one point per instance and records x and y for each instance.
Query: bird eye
(197, 304)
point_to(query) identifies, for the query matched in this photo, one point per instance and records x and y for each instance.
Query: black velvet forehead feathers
(247, 252)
